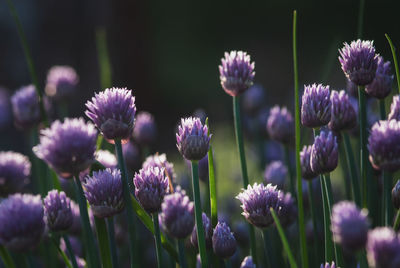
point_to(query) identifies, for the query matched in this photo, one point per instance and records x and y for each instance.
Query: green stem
(207, 197)
(70, 251)
(29, 59)
(267, 249)
(103, 58)
(360, 18)
(302, 229)
(284, 239)
(128, 204)
(396, 65)
(313, 217)
(243, 165)
(213, 188)
(62, 253)
(397, 221)
(111, 239)
(351, 164)
(6, 257)
(289, 167)
(182, 257)
(363, 140)
(157, 239)
(327, 233)
(198, 215)
(104, 244)
(87, 230)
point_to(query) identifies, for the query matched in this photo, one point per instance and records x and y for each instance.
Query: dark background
(168, 51)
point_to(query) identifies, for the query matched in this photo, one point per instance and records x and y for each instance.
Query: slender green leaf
(104, 244)
(396, 65)
(6, 257)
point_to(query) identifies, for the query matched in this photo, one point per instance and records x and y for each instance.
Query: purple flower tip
(160, 161)
(305, 160)
(68, 147)
(208, 232)
(236, 72)
(247, 263)
(106, 158)
(395, 109)
(276, 173)
(145, 130)
(383, 248)
(327, 265)
(359, 61)
(25, 106)
(22, 224)
(343, 115)
(151, 185)
(256, 203)
(15, 170)
(382, 83)
(324, 153)
(192, 139)
(315, 106)
(177, 216)
(280, 125)
(383, 145)
(349, 226)
(103, 190)
(61, 82)
(57, 210)
(224, 243)
(113, 111)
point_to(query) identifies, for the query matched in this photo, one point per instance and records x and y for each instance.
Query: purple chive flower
(253, 99)
(384, 145)
(349, 226)
(5, 108)
(25, 106)
(192, 139)
(160, 161)
(106, 158)
(315, 106)
(15, 170)
(343, 115)
(327, 265)
(256, 203)
(224, 243)
(151, 185)
(383, 248)
(280, 125)
(288, 210)
(113, 111)
(324, 153)
(68, 147)
(131, 156)
(61, 82)
(396, 195)
(145, 130)
(76, 226)
(247, 263)
(359, 61)
(177, 216)
(382, 84)
(22, 224)
(236, 72)
(208, 232)
(395, 109)
(57, 210)
(305, 159)
(103, 190)
(276, 173)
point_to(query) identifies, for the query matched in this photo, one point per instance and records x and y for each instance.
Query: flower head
(383, 248)
(327, 265)
(145, 130)
(280, 125)
(61, 82)
(247, 263)
(359, 61)
(103, 190)
(177, 216)
(15, 170)
(160, 161)
(343, 115)
(236, 72)
(315, 106)
(113, 111)
(253, 99)
(384, 145)
(349, 226)
(57, 210)
(208, 232)
(224, 243)
(25, 106)
(106, 158)
(305, 159)
(276, 173)
(395, 109)
(256, 203)
(22, 224)
(288, 210)
(151, 185)
(192, 139)
(68, 147)
(396, 195)
(382, 83)
(324, 153)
